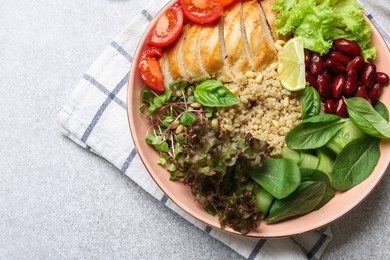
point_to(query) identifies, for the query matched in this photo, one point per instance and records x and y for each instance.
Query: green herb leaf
(355, 163)
(382, 110)
(167, 121)
(311, 102)
(172, 168)
(213, 93)
(314, 132)
(303, 200)
(161, 161)
(279, 177)
(187, 119)
(150, 139)
(142, 107)
(317, 175)
(366, 118)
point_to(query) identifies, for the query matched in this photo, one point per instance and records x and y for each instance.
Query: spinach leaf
(303, 200)
(382, 110)
(212, 93)
(355, 163)
(279, 177)
(311, 102)
(314, 132)
(366, 118)
(317, 175)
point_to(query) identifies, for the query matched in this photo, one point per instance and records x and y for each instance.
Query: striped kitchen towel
(95, 117)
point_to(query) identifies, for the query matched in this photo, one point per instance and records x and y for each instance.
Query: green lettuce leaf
(321, 22)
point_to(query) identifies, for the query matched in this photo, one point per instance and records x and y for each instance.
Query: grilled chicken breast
(239, 42)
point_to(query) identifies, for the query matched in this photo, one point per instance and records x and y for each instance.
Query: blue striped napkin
(95, 117)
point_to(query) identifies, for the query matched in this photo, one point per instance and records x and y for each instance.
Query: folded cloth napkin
(95, 117)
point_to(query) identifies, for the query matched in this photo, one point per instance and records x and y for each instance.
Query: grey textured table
(58, 201)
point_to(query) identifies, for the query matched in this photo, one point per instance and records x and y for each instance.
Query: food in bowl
(215, 130)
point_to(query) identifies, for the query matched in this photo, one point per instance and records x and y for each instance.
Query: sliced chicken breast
(234, 42)
(192, 61)
(258, 36)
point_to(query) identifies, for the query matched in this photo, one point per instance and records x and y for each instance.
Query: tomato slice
(225, 2)
(201, 11)
(168, 27)
(150, 68)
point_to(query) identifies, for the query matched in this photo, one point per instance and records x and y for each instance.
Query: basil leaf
(279, 177)
(311, 102)
(355, 163)
(213, 93)
(187, 119)
(314, 132)
(382, 110)
(366, 118)
(303, 200)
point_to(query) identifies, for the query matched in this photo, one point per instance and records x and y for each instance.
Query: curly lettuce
(321, 22)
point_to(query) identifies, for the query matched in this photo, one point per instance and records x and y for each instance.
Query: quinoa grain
(267, 110)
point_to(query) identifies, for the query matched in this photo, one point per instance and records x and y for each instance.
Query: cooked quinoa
(267, 110)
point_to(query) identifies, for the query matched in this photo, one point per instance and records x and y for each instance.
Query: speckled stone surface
(58, 201)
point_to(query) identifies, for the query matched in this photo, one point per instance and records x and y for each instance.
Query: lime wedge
(291, 65)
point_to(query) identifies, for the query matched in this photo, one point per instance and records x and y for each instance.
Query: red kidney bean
(329, 106)
(361, 92)
(356, 63)
(307, 58)
(316, 65)
(334, 66)
(340, 57)
(347, 47)
(382, 78)
(368, 75)
(340, 108)
(350, 82)
(311, 79)
(338, 87)
(324, 85)
(374, 93)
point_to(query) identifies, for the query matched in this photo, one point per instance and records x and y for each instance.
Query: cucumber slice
(325, 163)
(263, 199)
(308, 161)
(348, 132)
(288, 153)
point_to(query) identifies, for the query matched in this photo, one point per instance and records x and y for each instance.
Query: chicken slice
(175, 59)
(211, 44)
(234, 42)
(258, 36)
(190, 52)
(270, 19)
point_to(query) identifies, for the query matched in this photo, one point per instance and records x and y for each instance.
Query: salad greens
(213, 93)
(367, 118)
(321, 22)
(311, 102)
(209, 161)
(355, 162)
(279, 177)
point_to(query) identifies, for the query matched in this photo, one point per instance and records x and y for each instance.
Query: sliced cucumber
(263, 199)
(325, 162)
(308, 161)
(347, 133)
(288, 153)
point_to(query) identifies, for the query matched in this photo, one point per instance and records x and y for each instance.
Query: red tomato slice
(201, 11)
(150, 68)
(225, 2)
(167, 28)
